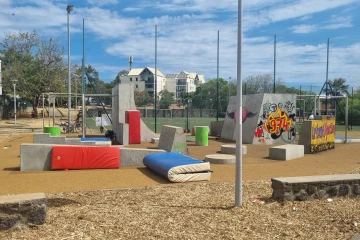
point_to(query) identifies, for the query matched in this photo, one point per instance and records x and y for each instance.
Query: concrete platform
(22, 209)
(286, 152)
(221, 158)
(231, 149)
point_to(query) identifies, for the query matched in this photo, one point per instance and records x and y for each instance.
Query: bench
(286, 152)
(315, 187)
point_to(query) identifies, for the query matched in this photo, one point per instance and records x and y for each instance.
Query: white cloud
(303, 28)
(102, 2)
(337, 22)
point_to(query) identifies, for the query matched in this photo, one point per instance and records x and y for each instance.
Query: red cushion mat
(132, 117)
(85, 157)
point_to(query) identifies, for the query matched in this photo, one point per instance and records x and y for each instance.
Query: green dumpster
(202, 135)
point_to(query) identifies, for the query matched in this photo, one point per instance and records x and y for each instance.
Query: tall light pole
(69, 9)
(14, 84)
(238, 166)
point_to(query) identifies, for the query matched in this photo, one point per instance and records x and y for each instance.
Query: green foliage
(339, 86)
(142, 98)
(36, 62)
(167, 98)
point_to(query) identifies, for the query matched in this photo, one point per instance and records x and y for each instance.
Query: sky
(187, 33)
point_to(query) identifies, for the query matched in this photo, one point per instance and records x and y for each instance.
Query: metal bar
(346, 118)
(69, 74)
(83, 84)
(274, 61)
(155, 90)
(327, 76)
(238, 167)
(43, 111)
(217, 78)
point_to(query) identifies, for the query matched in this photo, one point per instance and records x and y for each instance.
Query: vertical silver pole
(54, 111)
(83, 84)
(217, 78)
(315, 105)
(327, 76)
(238, 176)
(43, 110)
(49, 110)
(274, 62)
(155, 90)
(69, 74)
(15, 103)
(346, 118)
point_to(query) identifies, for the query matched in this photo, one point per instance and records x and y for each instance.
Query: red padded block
(85, 157)
(132, 117)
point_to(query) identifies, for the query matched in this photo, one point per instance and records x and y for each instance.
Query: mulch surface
(142, 205)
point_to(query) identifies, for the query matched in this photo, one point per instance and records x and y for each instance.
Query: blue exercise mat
(177, 167)
(95, 139)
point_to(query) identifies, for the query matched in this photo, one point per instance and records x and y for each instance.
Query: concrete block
(73, 141)
(45, 138)
(221, 158)
(135, 156)
(172, 139)
(155, 140)
(231, 149)
(286, 152)
(124, 134)
(17, 210)
(103, 143)
(216, 128)
(35, 157)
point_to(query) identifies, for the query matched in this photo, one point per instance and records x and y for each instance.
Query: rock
(333, 191)
(302, 196)
(8, 220)
(356, 189)
(344, 190)
(320, 194)
(311, 189)
(37, 214)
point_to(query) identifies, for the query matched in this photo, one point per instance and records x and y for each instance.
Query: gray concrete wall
(135, 156)
(316, 187)
(45, 138)
(172, 139)
(305, 136)
(35, 157)
(216, 128)
(124, 100)
(272, 107)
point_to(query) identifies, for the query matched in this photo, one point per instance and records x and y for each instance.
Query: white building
(144, 79)
(183, 82)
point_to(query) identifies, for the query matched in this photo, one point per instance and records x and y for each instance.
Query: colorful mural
(245, 114)
(277, 121)
(323, 134)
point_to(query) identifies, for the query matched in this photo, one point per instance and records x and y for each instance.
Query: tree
(142, 98)
(167, 98)
(339, 86)
(36, 62)
(261, 84)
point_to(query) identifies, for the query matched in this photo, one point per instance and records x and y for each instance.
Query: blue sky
(187, 35)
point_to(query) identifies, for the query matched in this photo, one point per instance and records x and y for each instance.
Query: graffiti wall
(266, 118)
(276, 122)
(322, 134)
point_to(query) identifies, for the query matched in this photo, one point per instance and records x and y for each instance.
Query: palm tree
(339, 86)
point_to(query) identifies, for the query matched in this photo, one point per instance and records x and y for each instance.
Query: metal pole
(83, 83)
(14, 103)
(43, 110)
(315, 105)
(238, 167)
(352, 106)
(69, 74)
(53, 111)
(327, 76)
(217, 77)
(274, 61)
(346, 118)
(187, 108)
(155, 90)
